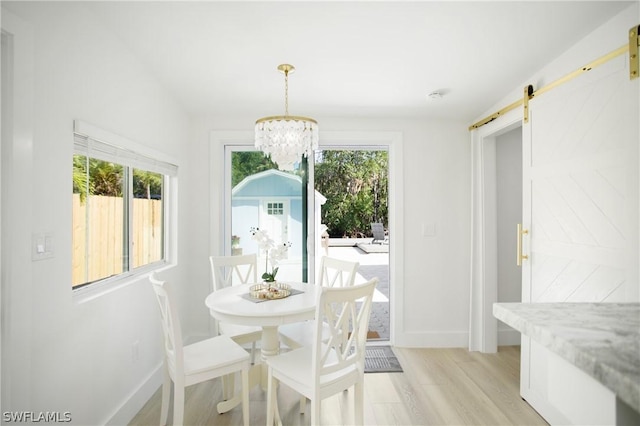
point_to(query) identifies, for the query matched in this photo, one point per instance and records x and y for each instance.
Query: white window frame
(131, 154)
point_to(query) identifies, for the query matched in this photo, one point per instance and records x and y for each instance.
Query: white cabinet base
(562, 393)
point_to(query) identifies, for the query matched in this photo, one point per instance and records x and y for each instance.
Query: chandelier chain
(286, 93)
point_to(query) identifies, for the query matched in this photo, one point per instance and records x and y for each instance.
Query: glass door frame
(399, 336)
(308, 209)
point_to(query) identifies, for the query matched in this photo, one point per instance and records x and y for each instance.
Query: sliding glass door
(257, 194)
(273, 201)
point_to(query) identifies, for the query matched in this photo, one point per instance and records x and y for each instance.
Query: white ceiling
(354, 59)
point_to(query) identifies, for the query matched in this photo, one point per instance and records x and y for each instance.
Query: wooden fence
(98, 249)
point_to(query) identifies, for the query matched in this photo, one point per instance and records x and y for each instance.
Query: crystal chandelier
(286, 138)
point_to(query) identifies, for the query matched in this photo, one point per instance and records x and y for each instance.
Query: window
(119, 205)
(275, 209)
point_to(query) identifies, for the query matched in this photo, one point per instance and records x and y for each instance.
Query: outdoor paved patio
(371, 265)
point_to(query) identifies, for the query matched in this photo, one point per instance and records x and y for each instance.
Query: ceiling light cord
(286, 93)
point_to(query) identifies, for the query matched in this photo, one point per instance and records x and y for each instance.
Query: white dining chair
(331, 364)
(333, 273)
(234, 270)
(185, 365)
(227, 271)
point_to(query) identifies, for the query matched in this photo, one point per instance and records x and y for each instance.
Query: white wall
(436, 190)
(78, 357)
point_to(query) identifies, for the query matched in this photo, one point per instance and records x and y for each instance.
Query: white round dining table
(229, 305)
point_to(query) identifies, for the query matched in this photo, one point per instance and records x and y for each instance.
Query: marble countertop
(602, 339)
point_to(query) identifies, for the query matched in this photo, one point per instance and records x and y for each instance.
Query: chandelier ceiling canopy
(286, 138)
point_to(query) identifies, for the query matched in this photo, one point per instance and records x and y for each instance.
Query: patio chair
(377, 229)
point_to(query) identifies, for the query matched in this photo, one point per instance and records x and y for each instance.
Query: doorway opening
(355, 218)
(508, 214)
(496, 211)
(224, 143)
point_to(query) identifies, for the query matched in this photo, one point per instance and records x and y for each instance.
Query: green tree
(146, 184)
(247, 163)
(103, 177)
(80, 176)
(355, 185)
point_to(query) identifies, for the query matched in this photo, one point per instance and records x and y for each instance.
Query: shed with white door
(272, 201)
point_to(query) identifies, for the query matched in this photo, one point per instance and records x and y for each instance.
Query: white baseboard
(432, 340)
(506, 337)
(136, 400)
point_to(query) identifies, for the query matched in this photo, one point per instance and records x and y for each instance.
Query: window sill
(109, 285)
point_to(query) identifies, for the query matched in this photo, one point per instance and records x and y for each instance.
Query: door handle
(519, 256)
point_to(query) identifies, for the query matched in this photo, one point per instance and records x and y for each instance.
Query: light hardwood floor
(438, 387)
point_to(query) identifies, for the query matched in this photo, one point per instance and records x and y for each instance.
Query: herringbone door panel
(582, 195)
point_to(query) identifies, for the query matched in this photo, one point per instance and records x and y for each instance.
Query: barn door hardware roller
(528, 94)
(634, 42)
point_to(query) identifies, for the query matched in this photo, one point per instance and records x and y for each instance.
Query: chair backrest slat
(342, 308)
(337, 272)
(170, 324)
(233, 270)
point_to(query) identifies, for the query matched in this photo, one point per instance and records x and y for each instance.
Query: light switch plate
(42, 246)
(429, 229)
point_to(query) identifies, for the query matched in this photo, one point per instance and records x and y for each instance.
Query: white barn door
(580, 206)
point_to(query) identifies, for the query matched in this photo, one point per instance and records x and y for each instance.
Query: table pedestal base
(258, 373)
(270, 346)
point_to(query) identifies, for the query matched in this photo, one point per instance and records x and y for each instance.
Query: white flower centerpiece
(270, 289)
